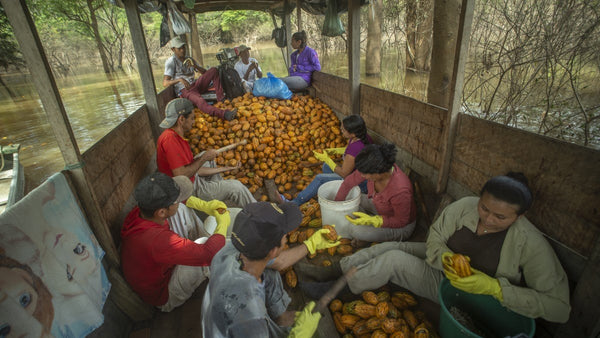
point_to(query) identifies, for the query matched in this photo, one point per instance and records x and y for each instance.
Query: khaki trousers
(402, 263)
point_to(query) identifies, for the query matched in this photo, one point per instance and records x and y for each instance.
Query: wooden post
(144, 66)
(456, 89)
(195, 39)
(354, 55)
(299, 15)
(288, 28)
(45, 84)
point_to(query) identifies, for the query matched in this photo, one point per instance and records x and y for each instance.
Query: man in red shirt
(163, 268)
(174, 157)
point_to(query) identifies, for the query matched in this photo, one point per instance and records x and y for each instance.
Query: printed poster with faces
(52, 282)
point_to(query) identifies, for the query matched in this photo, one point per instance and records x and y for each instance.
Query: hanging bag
(180, 24)
(332, 26)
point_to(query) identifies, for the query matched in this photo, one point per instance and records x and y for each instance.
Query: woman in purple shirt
(304, 61)
(354, 129)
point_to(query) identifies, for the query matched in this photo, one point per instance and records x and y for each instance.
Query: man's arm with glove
(306, 322)
(209, 207)
(292, 255)
(214, 208)
(319, 241)
(364, 219)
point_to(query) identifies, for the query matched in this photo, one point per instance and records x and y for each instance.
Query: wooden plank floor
(184, 321)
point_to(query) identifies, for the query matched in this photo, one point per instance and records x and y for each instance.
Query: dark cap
(174, 109)
(161, 191)
(260, 226)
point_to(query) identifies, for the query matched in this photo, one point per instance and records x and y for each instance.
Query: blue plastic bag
(271, 87)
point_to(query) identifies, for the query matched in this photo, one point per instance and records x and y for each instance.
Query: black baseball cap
(161, 191)
(260, 226)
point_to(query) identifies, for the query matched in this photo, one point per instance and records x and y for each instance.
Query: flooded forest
(533, 64)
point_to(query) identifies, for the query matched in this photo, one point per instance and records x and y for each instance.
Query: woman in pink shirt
(389, 205)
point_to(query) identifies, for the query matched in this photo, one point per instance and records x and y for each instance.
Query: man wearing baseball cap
(179, 71)
(247, 68)
(244, 298)
(163, 268)
(174, 157)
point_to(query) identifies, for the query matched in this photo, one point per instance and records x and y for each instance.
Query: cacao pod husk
(370, 297)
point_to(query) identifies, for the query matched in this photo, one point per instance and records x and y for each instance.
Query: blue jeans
(313, 188)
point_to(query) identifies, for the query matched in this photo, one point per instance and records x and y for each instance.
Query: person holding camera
(179, 71)
(247, 68)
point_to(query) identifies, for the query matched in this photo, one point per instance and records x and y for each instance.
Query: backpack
(231, 82)
(279, 35)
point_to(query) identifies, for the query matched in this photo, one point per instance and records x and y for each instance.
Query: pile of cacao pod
(381, 315)
(280, 135)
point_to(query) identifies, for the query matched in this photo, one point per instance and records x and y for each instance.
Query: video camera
(227, 57)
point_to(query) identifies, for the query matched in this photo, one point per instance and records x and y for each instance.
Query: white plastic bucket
(334, 212)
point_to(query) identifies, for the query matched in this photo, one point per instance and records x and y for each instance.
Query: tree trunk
(94, 23)
(445, 28)
(373, 57)
(419, 23)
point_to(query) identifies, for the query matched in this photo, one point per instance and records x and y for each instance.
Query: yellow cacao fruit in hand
(461, 265)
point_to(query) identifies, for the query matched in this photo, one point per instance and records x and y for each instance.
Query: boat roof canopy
(278, 7)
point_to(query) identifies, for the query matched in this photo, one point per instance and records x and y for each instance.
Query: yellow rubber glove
(364, 219)
(306, 322)
(223, 222)
(210, 207)
(325, 158)
(447, 263)
(318, 241)
(478, 283)
(336, 151)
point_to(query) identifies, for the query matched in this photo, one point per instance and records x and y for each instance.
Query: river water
(95, 105)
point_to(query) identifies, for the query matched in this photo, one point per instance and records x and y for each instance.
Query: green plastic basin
(489, 316)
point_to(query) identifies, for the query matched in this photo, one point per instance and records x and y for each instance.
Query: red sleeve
(402, 205)
(172, 153)
(171, 249)
(350, 182)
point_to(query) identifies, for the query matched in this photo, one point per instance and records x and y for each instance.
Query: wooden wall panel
(117, 162)
(332, 90)
(410, 124)
(565, 178)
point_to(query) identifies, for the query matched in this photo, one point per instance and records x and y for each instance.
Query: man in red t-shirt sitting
(174, 157)
(163, 268)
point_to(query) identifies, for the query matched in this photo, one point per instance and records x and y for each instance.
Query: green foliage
(242, 20)
(9, 49)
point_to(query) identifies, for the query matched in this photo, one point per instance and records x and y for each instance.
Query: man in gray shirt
(179, 71)
(244, 298)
